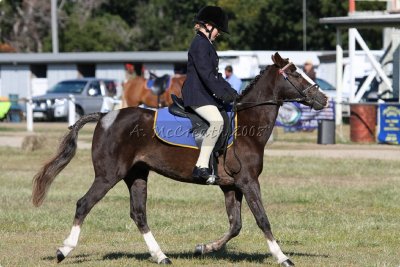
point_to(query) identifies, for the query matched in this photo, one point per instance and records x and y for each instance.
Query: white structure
(352, 23)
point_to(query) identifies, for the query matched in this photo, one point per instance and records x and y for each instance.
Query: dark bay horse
(124, 148)
(136, 92)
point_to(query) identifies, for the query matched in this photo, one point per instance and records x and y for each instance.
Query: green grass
(324, 212)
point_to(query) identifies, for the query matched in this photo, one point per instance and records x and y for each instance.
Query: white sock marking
(71, 241)
(276, 251)
(154, 249)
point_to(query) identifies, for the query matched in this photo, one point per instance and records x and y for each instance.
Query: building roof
(93, 57)
(363, 21)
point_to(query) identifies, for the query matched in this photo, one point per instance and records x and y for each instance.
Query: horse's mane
(253, 82)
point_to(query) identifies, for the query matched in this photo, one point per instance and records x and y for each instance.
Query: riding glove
(230, 96)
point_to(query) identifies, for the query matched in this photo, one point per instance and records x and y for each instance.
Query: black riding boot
(204, 174)
(201, 173)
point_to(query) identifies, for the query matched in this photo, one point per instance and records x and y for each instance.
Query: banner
(389, 126)
(298, 117)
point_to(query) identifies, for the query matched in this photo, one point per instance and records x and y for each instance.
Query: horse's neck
(261, 118)
(262, 89)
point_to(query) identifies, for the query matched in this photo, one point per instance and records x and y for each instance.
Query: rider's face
(214, 34)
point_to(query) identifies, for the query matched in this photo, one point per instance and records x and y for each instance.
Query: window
(39, 70)
(72, 87)
(87, 70)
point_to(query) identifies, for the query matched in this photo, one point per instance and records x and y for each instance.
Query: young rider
(205, 90)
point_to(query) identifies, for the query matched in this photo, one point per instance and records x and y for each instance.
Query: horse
(136, 92)
(123, 148)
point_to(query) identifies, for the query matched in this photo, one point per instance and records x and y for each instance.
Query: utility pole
(54, 26)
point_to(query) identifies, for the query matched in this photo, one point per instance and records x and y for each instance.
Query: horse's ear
(277, 59)
(273, 59)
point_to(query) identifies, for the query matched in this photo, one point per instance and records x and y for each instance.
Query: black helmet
(213, 15)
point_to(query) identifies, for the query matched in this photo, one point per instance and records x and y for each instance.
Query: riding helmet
(213, 15)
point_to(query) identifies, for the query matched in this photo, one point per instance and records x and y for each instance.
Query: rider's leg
(211, 114)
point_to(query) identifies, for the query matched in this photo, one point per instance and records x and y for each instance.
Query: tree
(25, 24)
(104, 33)
(128, 25)
(165, 25)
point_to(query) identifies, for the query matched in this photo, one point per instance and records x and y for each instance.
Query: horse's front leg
(233, 203)
(252, 193)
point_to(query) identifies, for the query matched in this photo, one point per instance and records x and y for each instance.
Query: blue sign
(298, 117)
(389, 126)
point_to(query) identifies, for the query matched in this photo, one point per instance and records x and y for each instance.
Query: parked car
(87, 92)
(330, 91)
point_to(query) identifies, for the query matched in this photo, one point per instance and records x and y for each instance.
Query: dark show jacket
(203, 85)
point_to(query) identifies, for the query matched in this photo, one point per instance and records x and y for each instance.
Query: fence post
(71, 110)
(29, 115)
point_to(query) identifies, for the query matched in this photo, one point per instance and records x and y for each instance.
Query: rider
(205, 90)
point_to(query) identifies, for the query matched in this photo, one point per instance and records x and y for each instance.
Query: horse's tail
(66, 151)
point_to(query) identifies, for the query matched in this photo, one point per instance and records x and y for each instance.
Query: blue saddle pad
(177, 130)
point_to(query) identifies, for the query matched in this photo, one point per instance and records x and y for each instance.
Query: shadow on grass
(223, 254)
(80, 258)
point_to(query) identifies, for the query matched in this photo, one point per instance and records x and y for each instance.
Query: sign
(298, 117)
(389, 126)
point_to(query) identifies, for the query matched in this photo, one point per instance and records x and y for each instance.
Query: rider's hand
(230, 96)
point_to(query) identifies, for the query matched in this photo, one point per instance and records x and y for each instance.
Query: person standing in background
(308, 69)
(232, 79)
(130, 71)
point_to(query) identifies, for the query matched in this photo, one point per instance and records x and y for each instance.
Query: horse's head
(294, 85)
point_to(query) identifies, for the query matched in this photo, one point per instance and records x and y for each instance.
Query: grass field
(324, 212)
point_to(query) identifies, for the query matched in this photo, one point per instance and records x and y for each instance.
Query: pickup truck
(88, 96)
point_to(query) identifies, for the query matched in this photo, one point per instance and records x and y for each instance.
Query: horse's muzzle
(316, 98)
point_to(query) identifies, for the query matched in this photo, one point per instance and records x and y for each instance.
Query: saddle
(158, 85)
(200, 126)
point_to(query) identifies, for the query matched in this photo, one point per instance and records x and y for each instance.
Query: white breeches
(211, 114)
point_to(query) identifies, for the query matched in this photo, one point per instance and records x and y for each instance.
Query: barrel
(362, 123)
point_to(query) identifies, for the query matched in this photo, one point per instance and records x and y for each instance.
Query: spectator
(308, 69)
(232, 79)
(130, 71)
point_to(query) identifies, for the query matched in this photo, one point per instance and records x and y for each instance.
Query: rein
(238, 106)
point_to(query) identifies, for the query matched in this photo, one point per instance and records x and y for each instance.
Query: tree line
(167, 25)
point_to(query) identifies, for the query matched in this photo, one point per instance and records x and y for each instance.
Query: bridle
(237, 106)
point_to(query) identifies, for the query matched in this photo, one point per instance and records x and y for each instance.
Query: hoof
(199, 250)
(60, 256)
(287, 263)
(165, 261)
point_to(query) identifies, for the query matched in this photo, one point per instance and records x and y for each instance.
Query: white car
(330, 91)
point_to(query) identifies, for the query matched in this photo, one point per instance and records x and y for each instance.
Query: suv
(87, 92)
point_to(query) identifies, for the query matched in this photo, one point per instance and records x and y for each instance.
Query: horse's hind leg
(97, 191)
(233, 203)
(251, 191)
(137, 185)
